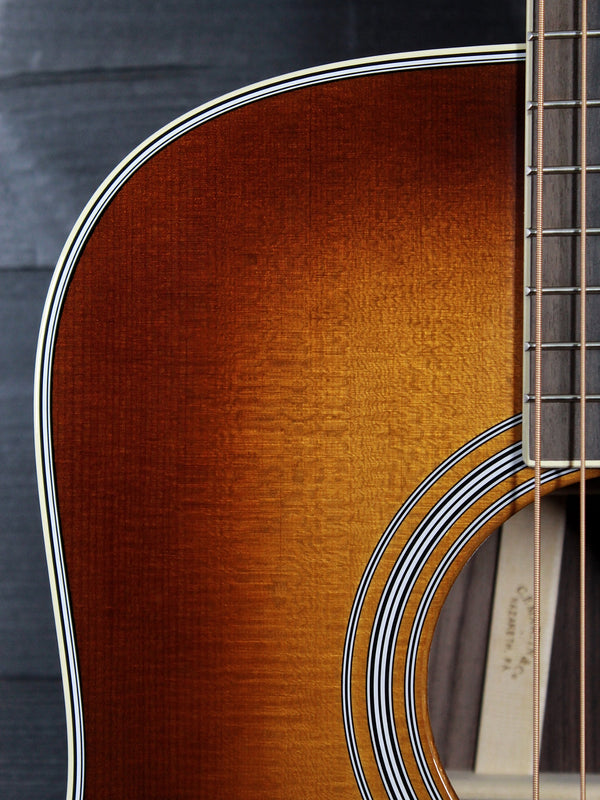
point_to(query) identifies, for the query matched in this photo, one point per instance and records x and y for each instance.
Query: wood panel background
(81, 84)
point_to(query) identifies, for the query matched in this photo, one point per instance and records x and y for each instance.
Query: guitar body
(278, 380)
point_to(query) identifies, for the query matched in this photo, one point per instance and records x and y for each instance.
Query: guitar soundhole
(470, 658)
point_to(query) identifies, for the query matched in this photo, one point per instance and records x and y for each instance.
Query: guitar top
(279, 381)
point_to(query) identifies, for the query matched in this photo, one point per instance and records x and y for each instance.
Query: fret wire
(559, 231)
(560, 104)
(574, 34)
(565, 290)
(571, 169)
(532, 232)
(529, 346)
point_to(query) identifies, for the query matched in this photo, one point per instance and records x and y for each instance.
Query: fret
(569, 169)
(573, 34)
(563, 346)
(566, 290)
(531, 232)
(560, 104)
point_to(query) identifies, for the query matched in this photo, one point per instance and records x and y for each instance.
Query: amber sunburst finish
(262, 339)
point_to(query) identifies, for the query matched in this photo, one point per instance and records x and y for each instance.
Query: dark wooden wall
(81, 84)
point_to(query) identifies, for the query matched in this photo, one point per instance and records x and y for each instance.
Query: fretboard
(561, 232)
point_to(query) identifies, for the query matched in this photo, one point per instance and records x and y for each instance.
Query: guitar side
(274, 323)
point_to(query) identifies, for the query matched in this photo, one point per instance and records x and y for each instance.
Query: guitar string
(538, 401)
(582, 392)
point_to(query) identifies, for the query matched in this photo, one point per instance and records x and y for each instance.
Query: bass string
(583, 394)
(541, 12)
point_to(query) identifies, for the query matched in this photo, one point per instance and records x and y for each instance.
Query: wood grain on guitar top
(280, 326)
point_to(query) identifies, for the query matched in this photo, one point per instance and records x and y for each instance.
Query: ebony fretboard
(562, 231)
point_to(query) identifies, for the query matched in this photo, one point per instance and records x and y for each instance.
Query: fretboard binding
(563, 170)
(562, 346)
(563, 398)
(532, 105)
(569, 290)
(531, 232)
(533, 35)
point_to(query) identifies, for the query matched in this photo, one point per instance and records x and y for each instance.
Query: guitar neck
(570, 147)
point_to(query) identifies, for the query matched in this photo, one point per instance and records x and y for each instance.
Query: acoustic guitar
(279, 390)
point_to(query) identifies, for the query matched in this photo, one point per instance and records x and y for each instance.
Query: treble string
(538, 399)
(582, 392)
